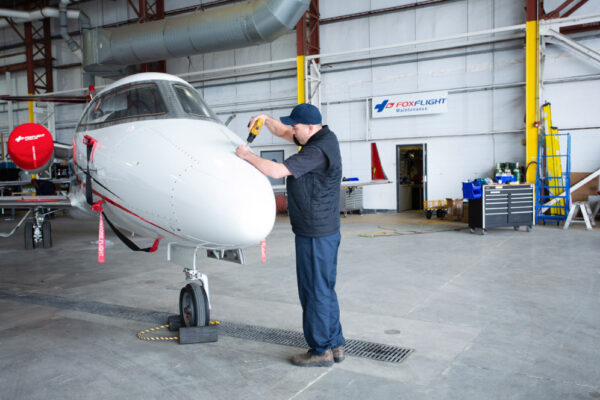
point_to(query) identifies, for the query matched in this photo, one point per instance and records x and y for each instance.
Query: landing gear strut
(38, 230)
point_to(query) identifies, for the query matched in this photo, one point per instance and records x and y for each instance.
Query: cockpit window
(192, 102)
(134, 101)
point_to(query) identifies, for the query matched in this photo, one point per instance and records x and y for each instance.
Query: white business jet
(159, 163)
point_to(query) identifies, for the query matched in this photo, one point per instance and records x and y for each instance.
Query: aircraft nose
(253, 210)
(225, 201)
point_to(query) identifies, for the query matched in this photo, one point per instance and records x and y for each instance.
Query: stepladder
(586, 214)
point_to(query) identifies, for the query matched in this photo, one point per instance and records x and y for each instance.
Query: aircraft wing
(345, 184)
(34, 201)
(48, 99)
(25, 183)
(364, 183)
(64, 151)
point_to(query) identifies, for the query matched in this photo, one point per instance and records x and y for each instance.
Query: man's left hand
(243, 152)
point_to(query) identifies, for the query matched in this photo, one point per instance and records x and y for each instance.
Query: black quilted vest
(314, 198)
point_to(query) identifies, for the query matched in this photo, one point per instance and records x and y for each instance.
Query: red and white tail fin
(377, 172)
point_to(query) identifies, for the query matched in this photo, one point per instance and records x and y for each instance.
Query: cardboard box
(465, 216)
(449, 204)
(455, 209)
(589, 189)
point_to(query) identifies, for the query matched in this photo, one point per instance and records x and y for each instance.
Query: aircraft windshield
(128, 102)
(192, 102)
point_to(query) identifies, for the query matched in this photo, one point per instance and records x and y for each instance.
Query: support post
(300, 78)
(532, 60)
(307, 43)
(10, 90)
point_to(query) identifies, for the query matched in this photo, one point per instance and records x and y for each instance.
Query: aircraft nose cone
(225, 202)
(253, 212)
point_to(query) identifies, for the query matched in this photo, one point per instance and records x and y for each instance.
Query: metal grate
(376, 351)
(353, 347)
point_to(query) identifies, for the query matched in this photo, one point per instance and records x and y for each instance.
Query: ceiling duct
(235, 26)
(49, 12)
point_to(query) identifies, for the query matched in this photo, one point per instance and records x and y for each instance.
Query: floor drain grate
(353, 347)
(358, 348)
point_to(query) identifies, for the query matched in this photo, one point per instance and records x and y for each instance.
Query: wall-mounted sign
(410, 104)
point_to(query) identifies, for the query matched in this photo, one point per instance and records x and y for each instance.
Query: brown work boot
(338, 354)
(309, 359)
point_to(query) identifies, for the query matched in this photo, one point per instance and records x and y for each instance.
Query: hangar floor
(507, 315)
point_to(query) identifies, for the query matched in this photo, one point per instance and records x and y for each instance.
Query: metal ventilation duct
(239, 25)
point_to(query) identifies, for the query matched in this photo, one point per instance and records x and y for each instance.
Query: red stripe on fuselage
(131, 212)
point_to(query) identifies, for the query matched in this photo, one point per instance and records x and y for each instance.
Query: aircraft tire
(29, 244)
(47, 234)
(193, 306)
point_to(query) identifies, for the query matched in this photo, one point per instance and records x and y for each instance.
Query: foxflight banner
(410, 104)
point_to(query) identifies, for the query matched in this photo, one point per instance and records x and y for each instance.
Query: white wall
(481, 127)
(484, 123)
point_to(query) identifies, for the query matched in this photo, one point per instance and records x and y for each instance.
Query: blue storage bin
(504, 179)
(471, 190)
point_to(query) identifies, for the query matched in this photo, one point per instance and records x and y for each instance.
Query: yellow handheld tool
(255, 130)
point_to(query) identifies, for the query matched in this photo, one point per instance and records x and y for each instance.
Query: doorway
(411, 176)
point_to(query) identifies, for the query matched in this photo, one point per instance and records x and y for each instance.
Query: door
(411, 176)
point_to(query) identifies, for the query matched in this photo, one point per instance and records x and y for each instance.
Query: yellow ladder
(553, 163)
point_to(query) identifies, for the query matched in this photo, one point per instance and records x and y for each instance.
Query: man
(313, 187)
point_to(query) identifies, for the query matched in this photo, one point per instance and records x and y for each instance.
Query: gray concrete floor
(507, 315)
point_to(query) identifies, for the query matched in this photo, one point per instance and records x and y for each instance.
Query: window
(192, 102)
(127, 102)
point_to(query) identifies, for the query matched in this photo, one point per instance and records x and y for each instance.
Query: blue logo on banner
(381, 106)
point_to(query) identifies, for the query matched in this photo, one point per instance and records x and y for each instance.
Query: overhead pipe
(35, 15)
(50, 12)
(235, 26)
(85, 26)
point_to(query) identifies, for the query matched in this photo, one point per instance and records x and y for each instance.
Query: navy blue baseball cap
(304, 113)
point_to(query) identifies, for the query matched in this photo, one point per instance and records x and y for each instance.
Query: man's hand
(264, 117)
(275, 126)
(271, 168)
(243, 152)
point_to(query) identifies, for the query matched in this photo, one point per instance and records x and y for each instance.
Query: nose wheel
(193, 305)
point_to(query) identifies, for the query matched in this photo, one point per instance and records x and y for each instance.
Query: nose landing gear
(38, 231)
(193, 305)
(193, 320)
(194, 311)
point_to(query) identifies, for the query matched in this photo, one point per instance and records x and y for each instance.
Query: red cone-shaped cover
(30, 146)
(376, 168)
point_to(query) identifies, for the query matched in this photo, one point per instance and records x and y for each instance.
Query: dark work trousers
(316, 270)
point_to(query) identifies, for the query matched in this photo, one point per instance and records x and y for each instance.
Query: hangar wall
(484, 123)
